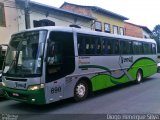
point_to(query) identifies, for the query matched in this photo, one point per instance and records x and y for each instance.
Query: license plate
(15, 94)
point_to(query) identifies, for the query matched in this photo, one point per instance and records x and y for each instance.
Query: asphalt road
(130, 98)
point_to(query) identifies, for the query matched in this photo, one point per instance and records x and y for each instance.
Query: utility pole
(27, 14)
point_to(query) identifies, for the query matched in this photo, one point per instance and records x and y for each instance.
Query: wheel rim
(80, 90)
(139, 77)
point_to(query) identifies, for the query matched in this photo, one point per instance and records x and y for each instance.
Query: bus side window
(109, 46)
(104, 46)
(140, 48)
(153, 49)
(146, 48)
(93, 46)
(150, 48)
(98, 46)
(135, 47)
(86, 45)
(81, 45)
(123, 47)
(130, 49)
(116, 46)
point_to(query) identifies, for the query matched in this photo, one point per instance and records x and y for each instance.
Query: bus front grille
(16, 79)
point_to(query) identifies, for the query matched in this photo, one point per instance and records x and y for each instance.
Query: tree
(156, 36)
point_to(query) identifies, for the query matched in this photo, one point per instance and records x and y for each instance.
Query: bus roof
(86, 31)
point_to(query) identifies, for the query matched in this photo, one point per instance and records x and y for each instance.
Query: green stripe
(101, 81)
(142, 64)
(38, 95)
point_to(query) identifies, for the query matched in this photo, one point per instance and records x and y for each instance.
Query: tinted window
(109, 46)
(116, 47)
(126, 47)
(89, 45)
(153, 49)
(147, 47)
(60, 56)
(137, 47)
(96, 45)
(81, 45)
(104, 46)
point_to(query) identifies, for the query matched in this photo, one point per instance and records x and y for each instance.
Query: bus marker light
(33, 100)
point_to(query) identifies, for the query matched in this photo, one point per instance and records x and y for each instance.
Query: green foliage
(156, 36)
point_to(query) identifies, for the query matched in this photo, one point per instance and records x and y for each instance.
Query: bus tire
(139, 76)
(81, 91)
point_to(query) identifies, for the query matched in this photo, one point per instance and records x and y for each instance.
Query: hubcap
(139, 77)
(80, 90)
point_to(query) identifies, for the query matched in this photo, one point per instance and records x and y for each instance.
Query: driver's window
(54, 55)
(54, 52)
(60, 55)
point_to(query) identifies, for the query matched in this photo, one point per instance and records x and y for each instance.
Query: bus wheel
(81, 91)
(139, 76)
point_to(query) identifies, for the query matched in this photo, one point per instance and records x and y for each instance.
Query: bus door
(54, 91)
(60, 62)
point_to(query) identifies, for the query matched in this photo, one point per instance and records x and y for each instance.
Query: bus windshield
(24, 54)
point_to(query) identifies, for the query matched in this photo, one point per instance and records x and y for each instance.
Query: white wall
(11, 22)
(59, 19)
(145, 34)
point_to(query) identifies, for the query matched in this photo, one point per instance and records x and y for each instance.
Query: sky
(140, 12)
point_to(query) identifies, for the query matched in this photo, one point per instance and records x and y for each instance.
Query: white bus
(48, 64)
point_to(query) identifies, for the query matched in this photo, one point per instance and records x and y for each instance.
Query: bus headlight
(36, 87)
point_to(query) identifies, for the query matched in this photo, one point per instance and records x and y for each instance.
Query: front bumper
(1, 90)
(28, 96)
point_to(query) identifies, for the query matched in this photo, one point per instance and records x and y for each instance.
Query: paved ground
(126, 99)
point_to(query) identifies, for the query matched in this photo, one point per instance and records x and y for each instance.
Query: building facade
(48, 15)
(8, 20)
(12, 19)
(137, 30)
(146, 32)
(133, 30)
(105, 21)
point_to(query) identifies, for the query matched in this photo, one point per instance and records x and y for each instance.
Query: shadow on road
(118, 87)
(29, 108)
(42, 108)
